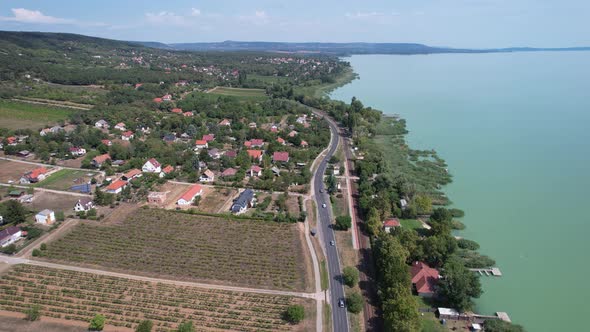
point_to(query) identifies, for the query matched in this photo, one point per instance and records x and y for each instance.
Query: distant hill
(341, 48)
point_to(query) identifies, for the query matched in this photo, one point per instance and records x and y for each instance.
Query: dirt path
(48, 102)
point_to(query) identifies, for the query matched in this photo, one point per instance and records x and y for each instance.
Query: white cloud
(23, 15)
(195, 12)
(363, 14)
(165, 17)
(260, 17)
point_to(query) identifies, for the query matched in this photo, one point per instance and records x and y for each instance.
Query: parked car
(341, 303)
(332, 243)
(324, 205)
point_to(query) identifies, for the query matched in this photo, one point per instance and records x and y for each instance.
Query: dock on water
(492, 271)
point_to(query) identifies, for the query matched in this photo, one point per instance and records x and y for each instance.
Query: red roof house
(424, 279)
(158, 100)
(255, 154)
(229, 172)
(132, 174)
(281, 141)
(208, 138)
(280, 157)
(189, 196)
(177, 110)
(390, 223)
(116, 187)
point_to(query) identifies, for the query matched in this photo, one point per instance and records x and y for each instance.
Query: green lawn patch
(324, 275)
(239, 92)
(17, 115)
(64, 179)
(410, 223)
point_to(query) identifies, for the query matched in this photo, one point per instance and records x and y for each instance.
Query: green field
(66, 178)
(17, 115)
(410, 223)
(239, 92)
(188, 247)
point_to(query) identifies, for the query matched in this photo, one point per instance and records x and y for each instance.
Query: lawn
(239, 92)
(175, 245)
(410, 223)
(64, 179)
(17, 115)
(126, 302)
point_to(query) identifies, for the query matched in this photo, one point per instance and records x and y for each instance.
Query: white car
(332, 243)
(324, 205)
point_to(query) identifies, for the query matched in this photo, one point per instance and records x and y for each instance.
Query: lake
(515, 131)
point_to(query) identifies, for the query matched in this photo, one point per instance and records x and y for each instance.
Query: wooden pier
(492, 271)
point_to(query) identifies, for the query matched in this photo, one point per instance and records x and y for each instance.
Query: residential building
(45, 217)
(229, 172)
(244, 201)
(155, 197)
(127, 136)
(390, 224)
(293, 133)
(132, 174)
(201, 144)
(281, 141)
(280, 157)
(166, 170)
(167, 97)
(77, 151)
(84, 204)
(9, 236)
(189, 196)
(214, 153)
(106, 142)
(255, 170)
(170, 138)
(336, 170)
(120, 126)
(102, 124)
(424, 279)
(99, 160)
(225, 122)
(207, 176)
(231, 153)
(151, 166)
(188, 114)
(254, 143)
(252, 125)
(176, 110)
(34, 176)
(209, 138)
(255, 154)
(304, 144)
(116, 187)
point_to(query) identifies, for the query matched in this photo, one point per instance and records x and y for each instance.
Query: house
(138, 85)
(302, 119)
(189, 196)
(207, 176)
(106, 142)
(403, 203)
(255, 170)
(424, 279)
(151, 166)
(155, 197)
(102, 124)
(254, 143)
(176, 110)
(9, 236)
(11, 141)
(208, 138)
(281, 141)
(23, 153)
(201, 144)
(274, 128)
(34, 176)
(52, 130)
(99, 160)
(304, 144)
(25, 199)
(45, 217)
(252, 125)
(167, 97)
(225, 122)
(243, 202)
(170, 138)
(447, 313)
(84, 204)
(120, 126)
(229, 172)
(132, 174)
(293, 133)
(231, 154)
(336, 170)
(255, 154)
(166, 170)
(128, 135)
(280, 157)
(214, 153)
(158, 100)
(390, 224)
(116, 187)
(77, 151)
(188, 114)
(16, 193)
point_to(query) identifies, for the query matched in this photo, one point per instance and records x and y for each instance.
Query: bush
(457, 213)
(10, 249)
(343, 223)
(33, 232)
(468, 244)
(350, 276)
(186, 327)
(60, 216)
(456, 224)
(144, 326)
(354, 303)
(43, 246)
(33, 313)
(475, 260)
(97, 323)
(497, 325)
(295, 314)
(37, 253)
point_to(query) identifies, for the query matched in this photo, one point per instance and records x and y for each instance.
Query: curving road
(339, 315)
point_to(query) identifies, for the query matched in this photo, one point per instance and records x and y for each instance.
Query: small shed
(447, 313)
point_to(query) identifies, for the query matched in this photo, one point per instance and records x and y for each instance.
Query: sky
(453, 23)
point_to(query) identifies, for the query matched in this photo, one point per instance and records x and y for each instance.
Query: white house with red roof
(201, 144)
(208, 138)
(99, 160)
(127, 136)
(390, 224)
(280, 157)
(77, 151)
(132, 174)
(34, 176)
(121, 126)
(225, 122)
(107, 142)
(116, 187)
(304, 144)
(207, 176)
(166, 170)
(424, 279)
(189, 196)
(167, 97)
(281, 141)
(255, 170)
(176, 110)
(151, 166)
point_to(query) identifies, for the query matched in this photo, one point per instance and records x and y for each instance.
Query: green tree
(14, 212)
(423, 204)
(400, 311)
(437, 249)
(9, 249)
(144, 326)
(354, 303)
(37, 253)
(60, 216)
(497, 325)
(458, 284)
(295, 313)
(186, 326)
(43, 246)
(97, 323)
(33, 313)
(343, 222)
(351, 276)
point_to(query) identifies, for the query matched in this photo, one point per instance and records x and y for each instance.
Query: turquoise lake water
(515, 131)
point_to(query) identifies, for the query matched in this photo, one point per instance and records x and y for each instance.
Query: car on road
(324, 205)
(332, 243)
(341, 303)
(321, 191)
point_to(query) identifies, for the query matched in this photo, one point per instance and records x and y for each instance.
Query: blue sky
(457, 23)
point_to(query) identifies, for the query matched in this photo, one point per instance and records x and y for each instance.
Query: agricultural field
(57, 202)
(180, 246)
(217, 200)
(12, 171)
(239, 92)
(64, 179)
(18, 115)
(126, 302)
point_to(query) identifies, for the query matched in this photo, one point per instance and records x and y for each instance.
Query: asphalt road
(339, 315)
